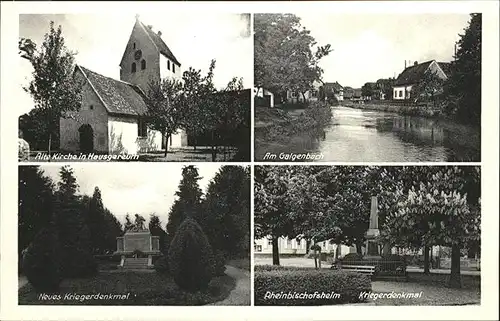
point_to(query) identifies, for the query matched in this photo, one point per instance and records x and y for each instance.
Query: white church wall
(151, 143)
(93, 113)
(166, 72)
(123, 135)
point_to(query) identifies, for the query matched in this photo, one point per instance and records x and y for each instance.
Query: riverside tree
(463, 88)
(286, 55)
(53, 87)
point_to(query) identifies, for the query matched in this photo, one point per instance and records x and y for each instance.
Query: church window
(91, 107)
(173, 68)
(133, 67)
(143, 64)
(168, 64)
(134, 45)
(142, 129)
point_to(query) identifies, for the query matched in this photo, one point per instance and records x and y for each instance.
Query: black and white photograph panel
(367, 87)
(144, 87)
(88, 235)
(367, 235)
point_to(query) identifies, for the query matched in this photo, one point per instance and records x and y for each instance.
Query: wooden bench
(365, 269)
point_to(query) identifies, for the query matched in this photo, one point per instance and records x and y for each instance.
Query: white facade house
(310, 95)
(412, 76)
(264, 93)
(294, 246)
(111, 116)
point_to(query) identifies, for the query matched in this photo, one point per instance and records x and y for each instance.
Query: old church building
(111, 116)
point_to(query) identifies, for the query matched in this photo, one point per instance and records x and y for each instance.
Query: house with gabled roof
(414, 74)
(111, 119)
(334, 89)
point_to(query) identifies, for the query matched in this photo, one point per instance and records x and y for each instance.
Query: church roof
(118, 97)
(160, 44)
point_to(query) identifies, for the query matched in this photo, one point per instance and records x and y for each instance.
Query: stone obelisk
(372, 246)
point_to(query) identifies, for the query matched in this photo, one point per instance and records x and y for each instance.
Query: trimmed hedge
(190, 257)
(41, 262)
(161, 265)
(273, 285)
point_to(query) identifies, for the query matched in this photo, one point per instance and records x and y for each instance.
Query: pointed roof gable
(160, 44)
(157, 42)
(118, 97)
(413, 74)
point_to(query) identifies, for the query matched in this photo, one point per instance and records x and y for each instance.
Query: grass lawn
(136, 287)
(243, 263)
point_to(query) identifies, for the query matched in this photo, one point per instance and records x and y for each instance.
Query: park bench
(365, 269)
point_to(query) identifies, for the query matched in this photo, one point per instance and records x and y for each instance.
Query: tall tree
(35, 205)
(444, 210)
(284, 57)
(53, 87)
(156, 230)
(74, 232)
(164, 112)
(226, 211)
(188, 201)
(464, 85)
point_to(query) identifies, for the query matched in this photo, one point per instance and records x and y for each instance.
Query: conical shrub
(191, 257)
(41, 262)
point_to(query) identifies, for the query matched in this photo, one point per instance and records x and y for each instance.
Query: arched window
(133, 67)
(143, 64)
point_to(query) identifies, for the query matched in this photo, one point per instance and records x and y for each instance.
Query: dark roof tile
(119, 97)
(160, 44)
(412, 74)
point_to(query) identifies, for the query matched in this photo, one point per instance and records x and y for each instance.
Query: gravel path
(240, 295)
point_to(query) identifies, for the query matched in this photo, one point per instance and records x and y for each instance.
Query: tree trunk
(308, 245)
(214, 150)
(304, 96)
(166, 144)
(359, 247)
(426, 260)
(337, 251)
(319, 260)
(50, 142)
(315, 259)
(455, 279)
(276, 254)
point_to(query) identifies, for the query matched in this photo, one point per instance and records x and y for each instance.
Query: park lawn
(242, 263)
(142, 289)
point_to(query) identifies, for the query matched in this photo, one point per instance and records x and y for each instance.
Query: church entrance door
(86, 138)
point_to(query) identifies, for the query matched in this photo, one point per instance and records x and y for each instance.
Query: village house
(266, 95)
(111, 118)
(310, 95)
(334, 89)
(294, 246)
(414, 74)
(348, 93)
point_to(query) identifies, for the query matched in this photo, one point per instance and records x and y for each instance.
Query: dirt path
(240, 295)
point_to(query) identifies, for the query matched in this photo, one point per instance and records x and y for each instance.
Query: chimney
(159, 33)
(415, 63)
(405, 63)
(150, 27)
(136, 17)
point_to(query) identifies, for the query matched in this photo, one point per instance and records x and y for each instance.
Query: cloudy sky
(194, 39)
(367, 47)
(134, 187)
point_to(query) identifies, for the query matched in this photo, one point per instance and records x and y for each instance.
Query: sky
(367, 47)
(100, 41)
(134, 187)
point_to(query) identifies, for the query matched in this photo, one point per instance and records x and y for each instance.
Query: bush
(324, 285)
(161, 265)
(219, 263)
(190, 257)
(41, 263)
